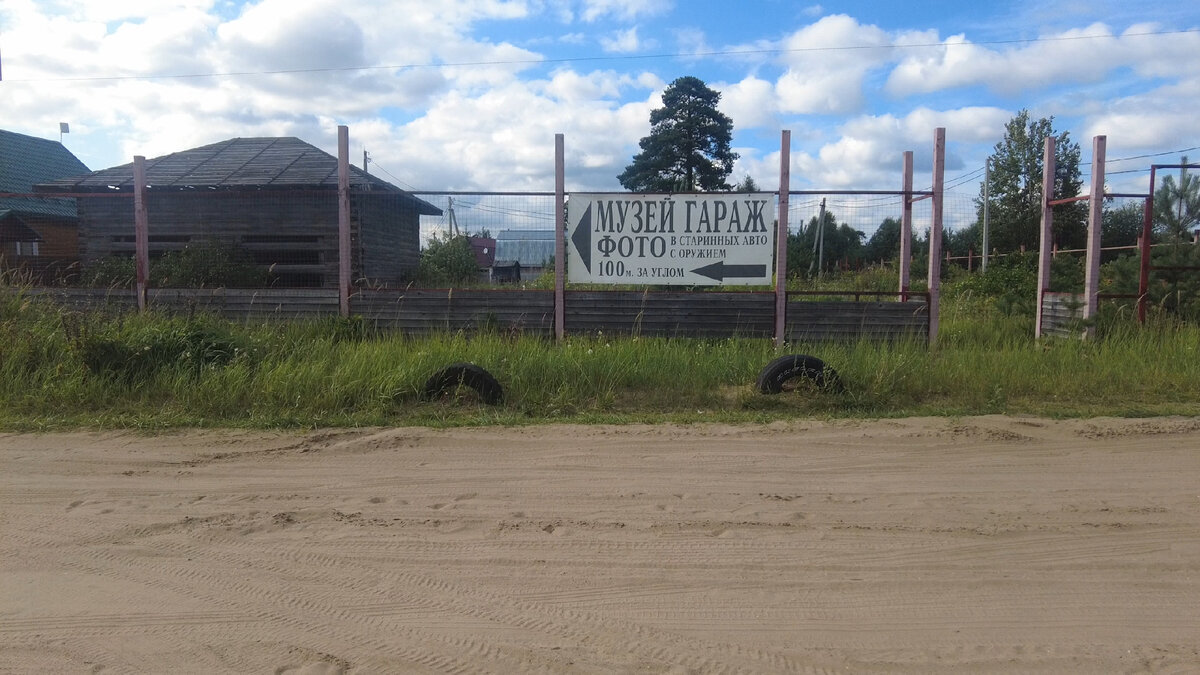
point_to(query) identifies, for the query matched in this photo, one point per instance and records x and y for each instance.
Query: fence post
(1046, 239)
(141, 237)
(935, 232)
(560, 239)
(1144, 249)
(344, 220)
(1091, 276)
(785, 154)
(906, 226)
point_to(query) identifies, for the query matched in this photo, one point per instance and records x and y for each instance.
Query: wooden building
(36, 234)
(272, 200)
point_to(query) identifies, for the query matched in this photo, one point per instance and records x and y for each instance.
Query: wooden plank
(825, 321)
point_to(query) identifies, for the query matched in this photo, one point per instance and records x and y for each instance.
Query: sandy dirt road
(985, 544)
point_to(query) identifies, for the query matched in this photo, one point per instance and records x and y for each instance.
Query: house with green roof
(36, 233)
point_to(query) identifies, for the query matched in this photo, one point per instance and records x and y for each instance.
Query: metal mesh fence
(288, 238)
(39, 240)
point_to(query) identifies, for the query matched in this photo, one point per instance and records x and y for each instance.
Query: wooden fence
(1062, 314)
(531, 312)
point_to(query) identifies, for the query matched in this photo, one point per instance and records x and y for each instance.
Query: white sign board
(695, 239)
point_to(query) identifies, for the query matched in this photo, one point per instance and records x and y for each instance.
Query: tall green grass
(62, 369)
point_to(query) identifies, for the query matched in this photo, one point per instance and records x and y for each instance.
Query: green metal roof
(26, 161)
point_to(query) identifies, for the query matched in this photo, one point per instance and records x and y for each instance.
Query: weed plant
(64, 369)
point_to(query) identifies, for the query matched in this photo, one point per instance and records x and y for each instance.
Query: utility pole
(452, 227)
(366, 158)
(1182, 184)
(987, 179)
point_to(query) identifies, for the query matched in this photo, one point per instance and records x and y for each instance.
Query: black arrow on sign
(720, 271)
(582, 238)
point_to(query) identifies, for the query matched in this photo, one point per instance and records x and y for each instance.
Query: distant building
(275, 199)
(38, 234)
(533, 250)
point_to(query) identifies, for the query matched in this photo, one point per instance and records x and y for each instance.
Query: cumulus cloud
(514, 149)
(750, 103)
(1162, 117)
(622, 42)
(308, 35)
(113, 118)
(1081, 55)
(626, 10)
(489, 123)
(827, 64)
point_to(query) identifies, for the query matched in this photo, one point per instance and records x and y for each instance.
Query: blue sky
(857, 83)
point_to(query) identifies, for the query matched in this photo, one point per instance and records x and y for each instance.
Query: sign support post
(906, 226)
(1095, 214)
(560, 239)
(1046, 238)
(785, 151)
(935, 232)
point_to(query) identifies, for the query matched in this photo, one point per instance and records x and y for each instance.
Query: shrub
(447, 261)
(206, 264)
(138, 347)
(1174, 291)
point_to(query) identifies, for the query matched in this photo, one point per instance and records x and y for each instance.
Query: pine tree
(688, 146)
(1177, 205)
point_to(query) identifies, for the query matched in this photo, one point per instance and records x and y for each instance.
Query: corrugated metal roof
(26, 161)
(531, 248)
(13, 228)
(238, 163)
(538, 235)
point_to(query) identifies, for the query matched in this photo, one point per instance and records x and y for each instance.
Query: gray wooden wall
(293, 232)
(1062, 314)
(531, 312)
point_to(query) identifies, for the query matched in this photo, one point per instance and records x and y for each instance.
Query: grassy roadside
(62, 370)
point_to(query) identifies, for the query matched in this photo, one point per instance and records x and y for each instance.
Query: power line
(626, 57)
(375, 162)
(1157, 154)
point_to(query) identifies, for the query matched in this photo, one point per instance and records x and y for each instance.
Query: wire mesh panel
(39, 239)
(511, 236)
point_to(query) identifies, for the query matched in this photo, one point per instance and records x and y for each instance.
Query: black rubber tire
(456, 375)
(777, 373)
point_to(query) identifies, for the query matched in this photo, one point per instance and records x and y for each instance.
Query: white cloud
(626, 10)
(1164, 117)
(1069, 57)
(828, 64)
(750, 103)
(450, 148)
(307, 35)
(622, 42)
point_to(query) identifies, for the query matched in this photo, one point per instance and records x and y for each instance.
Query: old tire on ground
(777, 373)
(456, 375)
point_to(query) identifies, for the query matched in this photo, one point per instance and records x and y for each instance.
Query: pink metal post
(141, 237)
(785, 154)
(560, 239)
(1091, 282)
(906, 226)
(935, 232)
(1144, 249)
(1046, 239)
(344, 220)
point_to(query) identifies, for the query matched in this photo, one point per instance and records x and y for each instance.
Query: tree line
(688, 148)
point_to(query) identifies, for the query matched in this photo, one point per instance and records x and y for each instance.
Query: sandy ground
(986, 544)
